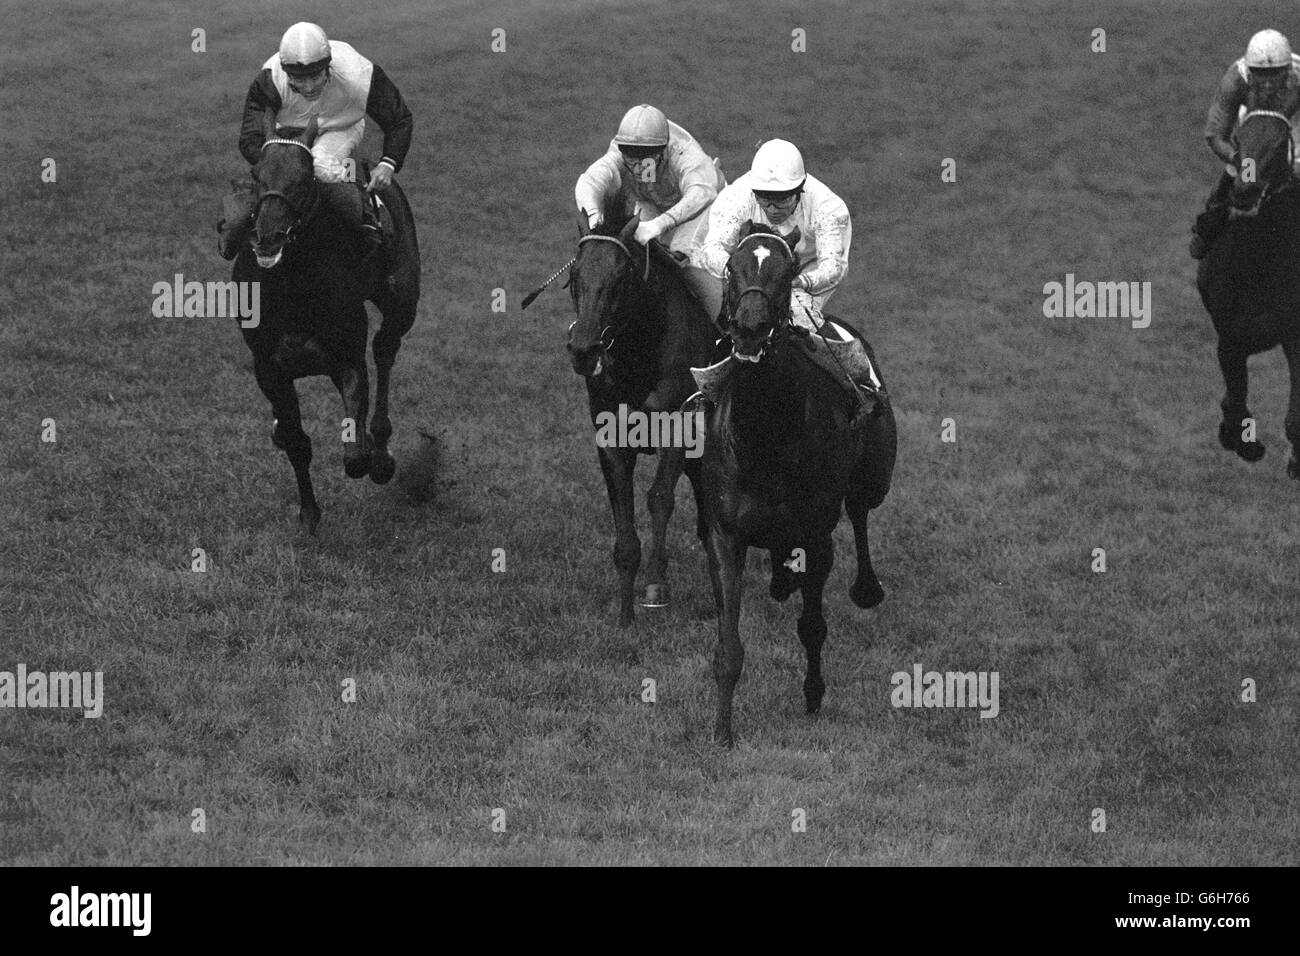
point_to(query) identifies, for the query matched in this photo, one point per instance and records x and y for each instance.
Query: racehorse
(780, 459)
(1250, 281)
(638, 332)
(313, 286)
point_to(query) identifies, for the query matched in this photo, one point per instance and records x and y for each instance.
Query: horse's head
(756, 303)
(285, 192)
(1264, 157)
(608, 267)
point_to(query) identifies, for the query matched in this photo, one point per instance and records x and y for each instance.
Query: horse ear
(792, 240)
(584, 224)
(309, 134)
(268, 125)
(746, 229)
(629, 230)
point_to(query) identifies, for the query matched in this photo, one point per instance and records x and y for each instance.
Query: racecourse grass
(479, 690)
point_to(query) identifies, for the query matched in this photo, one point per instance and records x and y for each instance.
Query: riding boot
(1213, 220)
(236, 220)
(348, 202)
(866, 394)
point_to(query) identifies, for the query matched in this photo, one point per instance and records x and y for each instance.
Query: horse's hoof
(357, 467)
(382, 469)
(308, 520)
(1251, 451)
(866, 594)
(656, 595)
(1230, 438)
(813, 698)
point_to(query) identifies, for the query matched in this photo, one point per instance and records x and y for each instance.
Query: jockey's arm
(698, 190)
(1222, 117)
(390, 111)
(262, 98)
(726, 217)
(831, 226)
(596, 186)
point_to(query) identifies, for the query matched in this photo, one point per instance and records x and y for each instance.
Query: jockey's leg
(708, 290)
(236, 219)
(1212, 221)
(848, 365)
(340, 190)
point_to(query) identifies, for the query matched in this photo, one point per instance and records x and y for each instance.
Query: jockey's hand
(647, 231)
(381, 177)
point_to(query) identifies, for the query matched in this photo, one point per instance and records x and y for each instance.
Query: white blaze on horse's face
(761, 253)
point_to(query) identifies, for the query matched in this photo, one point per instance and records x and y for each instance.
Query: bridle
(733, 303)
(607, 334)
(301, 214)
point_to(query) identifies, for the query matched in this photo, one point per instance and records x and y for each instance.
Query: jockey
(1267, 77)
(313, 76)
(660, 172)
(778, 193)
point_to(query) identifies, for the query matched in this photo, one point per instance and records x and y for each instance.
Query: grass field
(479, 690)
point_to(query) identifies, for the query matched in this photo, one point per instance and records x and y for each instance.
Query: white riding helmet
(777, 167)
(304, 49)
(1268, 48)
(643, 126)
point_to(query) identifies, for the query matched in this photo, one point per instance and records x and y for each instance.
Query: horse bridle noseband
(300, 214)
(609, 330)
(733, 304)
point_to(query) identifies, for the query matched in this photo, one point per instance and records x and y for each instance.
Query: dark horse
(638, 332)
(1250, 281)
(780, 459)
(313, 290)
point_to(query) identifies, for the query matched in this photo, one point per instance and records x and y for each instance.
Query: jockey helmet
(777, 167)
(304, 50)
(643, 126)
(1267, 49)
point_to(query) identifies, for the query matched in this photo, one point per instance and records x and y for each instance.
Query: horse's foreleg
(727, 567)
(660, 500)
(354, 386)
(1235, 433)
(618, 465)
(290, 437)
(1291, 348)
(812, 623)
(384, 348)
(696, 476)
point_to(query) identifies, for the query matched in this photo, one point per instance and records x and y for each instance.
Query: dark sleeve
(263, 98)
(389, 110)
